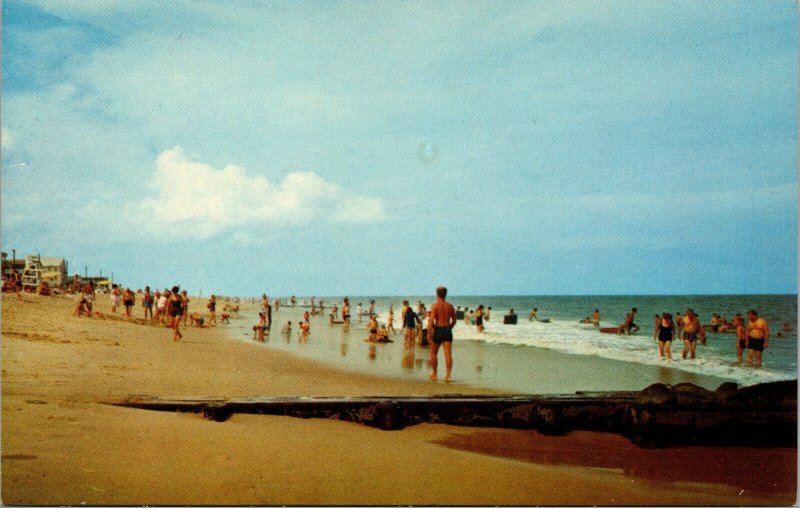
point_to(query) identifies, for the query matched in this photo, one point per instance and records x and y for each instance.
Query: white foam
(581, 339)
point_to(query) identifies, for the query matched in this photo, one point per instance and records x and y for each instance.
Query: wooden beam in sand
(760, 415)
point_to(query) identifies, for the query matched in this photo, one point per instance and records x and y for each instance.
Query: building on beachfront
(53, 270)
(11, 265)
(35, 268)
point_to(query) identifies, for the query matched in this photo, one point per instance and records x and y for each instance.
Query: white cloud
(6, 140)
(196, 199)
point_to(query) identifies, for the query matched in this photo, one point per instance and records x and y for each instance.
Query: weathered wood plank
(659, 415)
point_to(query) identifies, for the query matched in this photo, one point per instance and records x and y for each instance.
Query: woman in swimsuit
(175, 313)
(666, 329)
(479, 318)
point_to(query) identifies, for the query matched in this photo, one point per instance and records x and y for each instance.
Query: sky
(388, 147)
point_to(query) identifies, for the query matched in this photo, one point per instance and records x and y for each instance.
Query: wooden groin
(659, 415)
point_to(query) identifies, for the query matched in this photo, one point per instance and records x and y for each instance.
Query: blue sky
(329, 148)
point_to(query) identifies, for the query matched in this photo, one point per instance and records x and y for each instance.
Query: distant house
(12, 265)
(35, 269)
(54, 270)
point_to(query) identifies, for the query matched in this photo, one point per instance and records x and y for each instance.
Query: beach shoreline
(508, 368)
(63, 444)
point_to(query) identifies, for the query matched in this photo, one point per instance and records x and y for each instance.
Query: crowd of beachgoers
(171, 307)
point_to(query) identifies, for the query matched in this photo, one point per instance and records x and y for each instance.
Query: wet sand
(61, 444)
(511, 368)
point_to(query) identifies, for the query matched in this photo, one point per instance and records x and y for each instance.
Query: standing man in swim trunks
(691, 330)
(346, 311)
(757, 337)
(443, 319)
(147, 303)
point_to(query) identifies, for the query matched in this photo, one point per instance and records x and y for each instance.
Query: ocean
(560, 356)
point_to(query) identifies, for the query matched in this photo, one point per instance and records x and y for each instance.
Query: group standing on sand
(171, 306)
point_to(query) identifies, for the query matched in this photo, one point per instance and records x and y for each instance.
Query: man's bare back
(443, 314)
(442, 321)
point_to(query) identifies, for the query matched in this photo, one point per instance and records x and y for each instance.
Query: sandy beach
(63, 444)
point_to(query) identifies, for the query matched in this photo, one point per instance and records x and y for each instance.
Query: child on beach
(287, 328)
(85, 300)
(333, 319)
(383, 334)
(391, 319)
(43, 289)
(373, 329)
(196, 320)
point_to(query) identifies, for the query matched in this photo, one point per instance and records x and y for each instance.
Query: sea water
(560, 356)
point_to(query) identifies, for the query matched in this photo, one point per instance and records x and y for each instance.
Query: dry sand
(62, 445)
